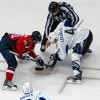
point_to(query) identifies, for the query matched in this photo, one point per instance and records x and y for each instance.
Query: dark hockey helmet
(53, 6)
(36, 36)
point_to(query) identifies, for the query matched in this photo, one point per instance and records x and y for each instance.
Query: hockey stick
(2, 70)
(80, 23)
(46, 65)
(65, 83)
(90, 68)
(91, 78)
(29, 58)
(54, 61)
(14, 53)
(62, 87)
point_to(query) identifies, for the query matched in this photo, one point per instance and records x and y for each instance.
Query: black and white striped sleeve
(49, 24)
(70, 13)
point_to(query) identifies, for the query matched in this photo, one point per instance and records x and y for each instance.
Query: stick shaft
(14, 53)
(80, 23)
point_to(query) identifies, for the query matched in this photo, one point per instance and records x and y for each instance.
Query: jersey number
(61, 37)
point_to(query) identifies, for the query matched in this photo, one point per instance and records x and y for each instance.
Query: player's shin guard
(76, 70)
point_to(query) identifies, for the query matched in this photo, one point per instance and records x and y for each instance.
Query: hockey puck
(44, 71)
(39, 69)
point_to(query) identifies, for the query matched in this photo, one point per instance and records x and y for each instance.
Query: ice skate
(76, 79)
(8, 85)
(43, 48)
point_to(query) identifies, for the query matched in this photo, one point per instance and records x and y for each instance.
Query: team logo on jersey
(25, 42)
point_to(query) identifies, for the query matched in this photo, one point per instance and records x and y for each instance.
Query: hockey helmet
(53, 7)
(53, 37)
(27, 88)
(36, 36)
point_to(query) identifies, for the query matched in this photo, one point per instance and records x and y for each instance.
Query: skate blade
(46, 71)
(74, 82)
(8, 88)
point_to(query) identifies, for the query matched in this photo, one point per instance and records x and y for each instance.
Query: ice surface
(25, 16)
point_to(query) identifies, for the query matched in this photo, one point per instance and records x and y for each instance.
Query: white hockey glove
(39, 61)
(25, 56)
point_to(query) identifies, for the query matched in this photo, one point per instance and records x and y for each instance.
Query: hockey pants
(5, 47)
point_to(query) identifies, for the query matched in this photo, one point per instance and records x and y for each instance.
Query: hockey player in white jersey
(79, 39)
(29, 94)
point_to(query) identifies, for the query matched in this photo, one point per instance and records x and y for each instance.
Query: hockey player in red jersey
(19, 44)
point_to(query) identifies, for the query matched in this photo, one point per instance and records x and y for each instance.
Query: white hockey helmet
(27, 87)
(53, 37)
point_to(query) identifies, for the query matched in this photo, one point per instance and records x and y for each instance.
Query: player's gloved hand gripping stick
(27, 57)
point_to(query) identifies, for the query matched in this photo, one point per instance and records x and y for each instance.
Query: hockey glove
(24, 56)
(39, 61)
(53, 56)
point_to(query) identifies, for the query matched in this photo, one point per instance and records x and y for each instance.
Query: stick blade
(45, 71)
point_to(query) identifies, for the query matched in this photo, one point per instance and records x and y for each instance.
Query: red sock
(10, 73)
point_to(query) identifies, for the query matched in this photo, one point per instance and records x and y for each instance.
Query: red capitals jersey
(23, 44)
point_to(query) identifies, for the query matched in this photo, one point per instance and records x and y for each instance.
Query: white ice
(25, 16)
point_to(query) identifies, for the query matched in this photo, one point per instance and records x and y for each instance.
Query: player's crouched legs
(77, 78)
(8, 85)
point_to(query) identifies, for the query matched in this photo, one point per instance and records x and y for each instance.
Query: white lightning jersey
(67, 38)
(37, 95)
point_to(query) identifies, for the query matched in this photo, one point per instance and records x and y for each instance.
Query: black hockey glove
(39, 61)
(53, 56)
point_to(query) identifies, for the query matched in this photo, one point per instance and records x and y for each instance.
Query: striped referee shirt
(67, 12)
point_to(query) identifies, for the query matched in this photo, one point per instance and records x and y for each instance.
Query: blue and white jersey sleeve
(71, 14)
